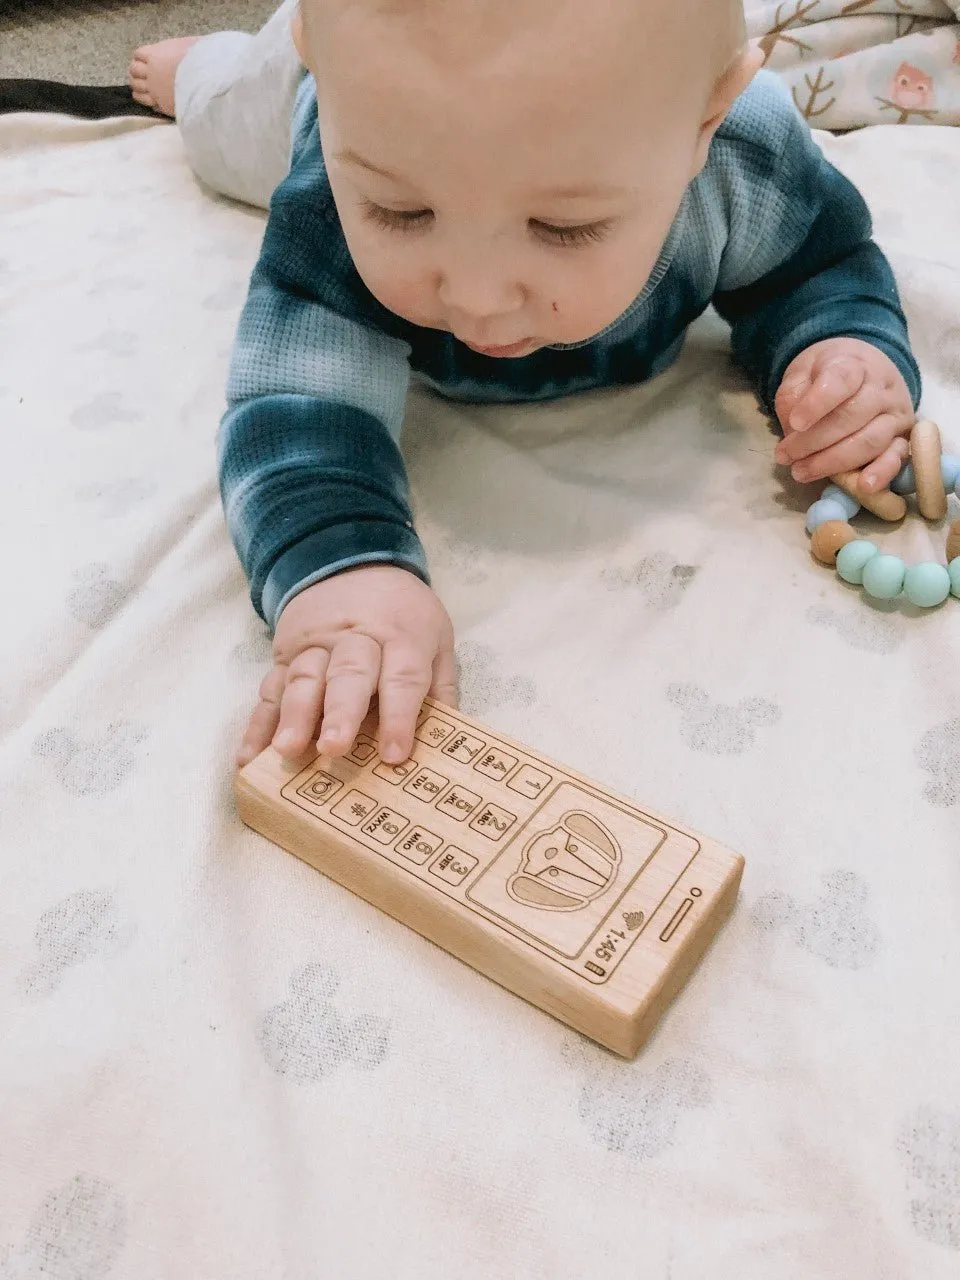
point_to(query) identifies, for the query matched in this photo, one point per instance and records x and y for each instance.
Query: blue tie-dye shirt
(311, 475)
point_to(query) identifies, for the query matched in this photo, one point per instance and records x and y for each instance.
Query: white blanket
(218, 1065)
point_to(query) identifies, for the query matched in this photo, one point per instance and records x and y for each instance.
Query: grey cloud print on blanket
(104, 410)
(77, 1233)
(939, 753)
(835, 927)
(640, 1114)
(720, 729)
(94, 765)
(929, 1145)
(305, 1037)
(97, 597)
(75, 929)
(256, 649)
(658, 578)
(114, 342)
(463, 561)
(483, 685)
(117, 497)
(861, 628)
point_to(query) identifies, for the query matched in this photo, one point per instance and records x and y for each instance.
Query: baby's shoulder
(762, 153)
(763, 118)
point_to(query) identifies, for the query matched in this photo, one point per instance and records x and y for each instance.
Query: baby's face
(515, 192)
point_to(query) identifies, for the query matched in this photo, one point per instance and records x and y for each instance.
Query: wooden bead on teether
(885, 504)
(925, 456)
(829, 537)
(953, 541)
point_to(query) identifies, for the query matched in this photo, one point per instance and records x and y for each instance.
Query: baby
(515, 200)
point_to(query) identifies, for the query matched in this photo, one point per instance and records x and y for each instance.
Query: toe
(145, 99)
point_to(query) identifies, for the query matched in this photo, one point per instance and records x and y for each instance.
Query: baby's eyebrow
(351, 157)
(575, 191)
(585, 191)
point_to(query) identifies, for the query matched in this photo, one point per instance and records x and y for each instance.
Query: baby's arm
(814, 309)
(315, 492)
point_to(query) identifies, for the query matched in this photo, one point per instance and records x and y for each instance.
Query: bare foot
(153, 71)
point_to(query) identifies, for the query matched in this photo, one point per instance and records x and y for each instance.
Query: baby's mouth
(512, 349)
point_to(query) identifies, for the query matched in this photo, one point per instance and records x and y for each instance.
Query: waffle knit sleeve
(800, 264)
(311, 477)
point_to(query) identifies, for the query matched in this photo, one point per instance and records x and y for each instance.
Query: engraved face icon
(566, 867)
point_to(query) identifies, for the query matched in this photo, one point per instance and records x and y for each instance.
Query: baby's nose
(479, 297)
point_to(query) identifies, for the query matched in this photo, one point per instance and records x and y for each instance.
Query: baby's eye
(396, 219)
(588, 233)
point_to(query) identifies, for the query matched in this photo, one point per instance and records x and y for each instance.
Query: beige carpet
(90, 41)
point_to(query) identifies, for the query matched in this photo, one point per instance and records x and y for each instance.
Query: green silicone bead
(883, 577)
(926, 584)
(953, 568)
(852, 558)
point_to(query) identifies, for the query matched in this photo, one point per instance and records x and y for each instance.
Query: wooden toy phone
(566, 894)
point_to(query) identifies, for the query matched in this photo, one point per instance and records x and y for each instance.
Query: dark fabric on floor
(89, 102)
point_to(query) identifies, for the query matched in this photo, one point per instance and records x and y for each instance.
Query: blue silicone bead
(883, 577)
(833, 493)
(950, 469)
(852, 558)
(822, 511)
(926, 584)
(904, 482)
(953, 568)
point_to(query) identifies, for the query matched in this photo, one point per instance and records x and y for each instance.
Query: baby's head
(508, 170)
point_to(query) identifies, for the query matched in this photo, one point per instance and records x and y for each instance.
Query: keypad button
(464, 747)
(496, 764)
(319, 787)
(434, 731)
(395, 773)
(453, 865)
(354, 807)
(493, 821)
(419, 844)
(459, 803)
(363, 749)
(385, 826)
(529, 781)
(426, 785)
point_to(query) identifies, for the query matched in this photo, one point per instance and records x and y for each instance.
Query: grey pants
(234, 100)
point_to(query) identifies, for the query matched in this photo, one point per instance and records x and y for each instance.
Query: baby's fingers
(404, 681)
(835, 383)
(351, 680)
(443, 687)
(878, 475)
(850, 454)
(302, 702)
(263, 723)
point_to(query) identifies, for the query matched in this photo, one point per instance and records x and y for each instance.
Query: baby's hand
(375, 629)
(844, 405)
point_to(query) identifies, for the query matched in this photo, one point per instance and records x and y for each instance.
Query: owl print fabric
(850, 63)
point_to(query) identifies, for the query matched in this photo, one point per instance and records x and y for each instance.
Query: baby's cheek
(400, 294)
(584, 311)
(406, 297)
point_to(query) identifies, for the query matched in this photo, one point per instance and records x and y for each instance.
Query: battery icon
(595, 968)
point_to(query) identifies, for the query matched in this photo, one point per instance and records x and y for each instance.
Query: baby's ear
(728, 88)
